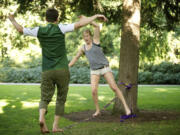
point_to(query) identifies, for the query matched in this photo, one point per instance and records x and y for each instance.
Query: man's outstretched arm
(86, 20)
(16, 25)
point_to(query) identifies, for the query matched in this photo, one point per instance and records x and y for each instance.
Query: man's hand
(102, 17)
(82, 17)
(83, 20)
(99, 16)
(11, 17)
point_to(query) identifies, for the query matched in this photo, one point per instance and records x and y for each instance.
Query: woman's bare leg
(94, 88)
(110, 79)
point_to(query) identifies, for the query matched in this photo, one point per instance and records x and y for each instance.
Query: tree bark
(129, 55)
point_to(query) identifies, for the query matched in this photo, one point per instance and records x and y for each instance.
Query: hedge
(164, 73)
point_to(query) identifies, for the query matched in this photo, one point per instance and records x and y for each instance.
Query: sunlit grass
(19, 110)
(3, 103)
(29, 104)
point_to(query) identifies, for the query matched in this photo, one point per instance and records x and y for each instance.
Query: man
(54, 61)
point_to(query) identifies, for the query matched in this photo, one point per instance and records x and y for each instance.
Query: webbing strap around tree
(127, 86)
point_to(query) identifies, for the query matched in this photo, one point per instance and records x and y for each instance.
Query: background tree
(129, 53)
(158, 17)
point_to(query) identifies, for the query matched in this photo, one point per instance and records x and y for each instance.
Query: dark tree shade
(156, 14)
(161, 14)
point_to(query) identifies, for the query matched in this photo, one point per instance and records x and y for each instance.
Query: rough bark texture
(129, 54)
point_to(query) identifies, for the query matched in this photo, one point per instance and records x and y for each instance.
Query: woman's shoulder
(83, 48)
(96, 44)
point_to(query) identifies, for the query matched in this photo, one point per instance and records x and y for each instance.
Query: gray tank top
(96, 57)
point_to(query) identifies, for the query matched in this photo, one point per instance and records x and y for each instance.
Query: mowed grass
(19, 111)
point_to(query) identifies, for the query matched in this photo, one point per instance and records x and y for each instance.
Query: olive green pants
(50, 79)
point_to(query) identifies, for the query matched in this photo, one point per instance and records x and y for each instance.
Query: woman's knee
(114, 88)
(94, 91)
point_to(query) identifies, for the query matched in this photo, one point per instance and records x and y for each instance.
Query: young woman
(99, 65)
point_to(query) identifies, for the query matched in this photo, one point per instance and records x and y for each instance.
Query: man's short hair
(88, 31)
(51, 15)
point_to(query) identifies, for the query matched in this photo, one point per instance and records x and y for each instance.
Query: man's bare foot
(54, 130)
(43, 127)
(97, 113)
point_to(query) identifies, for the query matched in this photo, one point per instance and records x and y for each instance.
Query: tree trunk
(129, 54)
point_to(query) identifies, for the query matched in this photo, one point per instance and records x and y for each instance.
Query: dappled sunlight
(160, 90)
(24, 93)
(133, 19)
(13, 106)
(11, 9)
(75, 95)
(21, 56)
(26, 104)
(68, 104)
(35, 48)
(14, 55)
(3, 103)
(52, 103)
(163, 90)
(113, 62)
(105, 98)
(34, 104)
(101, 98)
(174, 45)
(82, 98)
(134, 22)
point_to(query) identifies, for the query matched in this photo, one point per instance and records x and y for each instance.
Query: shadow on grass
(16, 120)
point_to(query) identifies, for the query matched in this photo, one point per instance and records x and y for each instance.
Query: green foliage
(7, 62)
(145, 77)
(31, 63)
(157, 14)
(153, 45)
(164, 67)
(160, 14)
(80, 75)
(158, 77)
(164, 73)
(31, 75)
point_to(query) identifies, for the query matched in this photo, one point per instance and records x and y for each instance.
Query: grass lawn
(19, 111)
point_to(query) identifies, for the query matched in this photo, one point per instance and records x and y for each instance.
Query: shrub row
(20, 75)
(164, 73)
(164, 67)
(158, 78)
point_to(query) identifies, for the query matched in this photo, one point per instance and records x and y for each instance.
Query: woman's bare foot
(128, 112)
(97, 113)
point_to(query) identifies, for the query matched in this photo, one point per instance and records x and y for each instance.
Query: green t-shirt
(52, 42)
